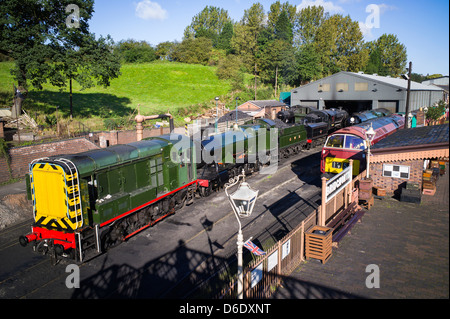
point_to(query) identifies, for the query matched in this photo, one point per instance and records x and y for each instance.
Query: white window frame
(402, 169)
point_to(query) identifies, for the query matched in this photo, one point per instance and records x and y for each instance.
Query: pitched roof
(397, 82)
(264, 103)
(418, 143)
(416, 137)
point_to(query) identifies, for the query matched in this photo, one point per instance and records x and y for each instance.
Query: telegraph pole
(407, 96)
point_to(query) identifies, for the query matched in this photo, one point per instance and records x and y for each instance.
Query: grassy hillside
(157, 87)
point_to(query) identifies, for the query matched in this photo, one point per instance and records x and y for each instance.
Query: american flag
(253, 248)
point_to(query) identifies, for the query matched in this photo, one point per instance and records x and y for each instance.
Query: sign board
(272, 261)
(256, 275)
(338, 182)
(285, 249)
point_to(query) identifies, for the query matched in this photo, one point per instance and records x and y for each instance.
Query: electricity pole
(407, 96)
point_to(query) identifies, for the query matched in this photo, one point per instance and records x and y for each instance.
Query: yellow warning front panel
(49, 190)
(336, 165)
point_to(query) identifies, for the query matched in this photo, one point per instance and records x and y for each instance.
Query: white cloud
(327, 5)
(386, 7)
(148, 10)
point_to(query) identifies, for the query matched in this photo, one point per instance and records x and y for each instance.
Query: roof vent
(360, 72)
(375, 74)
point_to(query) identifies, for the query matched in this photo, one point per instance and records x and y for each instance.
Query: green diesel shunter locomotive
(89, 201)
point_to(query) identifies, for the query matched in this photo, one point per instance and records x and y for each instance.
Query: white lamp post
(370, 135)
(242, 201)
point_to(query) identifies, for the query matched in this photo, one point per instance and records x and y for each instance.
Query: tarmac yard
(171, 258)
(399, 250)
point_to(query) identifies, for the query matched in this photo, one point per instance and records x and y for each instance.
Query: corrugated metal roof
(397, 82)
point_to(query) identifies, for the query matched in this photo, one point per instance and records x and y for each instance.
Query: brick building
(263, 108)
(403, 156)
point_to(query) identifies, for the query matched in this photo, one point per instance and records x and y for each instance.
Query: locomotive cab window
(336, 141)
(345, 141)
(354, 142)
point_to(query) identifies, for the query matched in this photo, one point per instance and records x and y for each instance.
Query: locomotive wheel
(205, 191)
(256, 166)
(111, 237)
(106, 241)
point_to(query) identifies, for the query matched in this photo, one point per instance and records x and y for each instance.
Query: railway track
(27, 275)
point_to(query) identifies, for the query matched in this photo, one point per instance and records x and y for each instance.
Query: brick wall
(20, 157)
(4, 172)
(392, 184)
(123, 137)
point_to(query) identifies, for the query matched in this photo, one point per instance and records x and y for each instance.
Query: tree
(254, 18)
(230, 68)
(393, 54)
(374, 64)
(283, 28)
(88, 61)
(244, 44)
(245, 38)
(132, 51)
(276, 55)
(208, 23)
(50, 44)
(433, 76)
(224, 39)
(308, 64)
(435, 112)
(307, 23)
(339, 42)
(193, 50)
(275, 10)
(164, 50)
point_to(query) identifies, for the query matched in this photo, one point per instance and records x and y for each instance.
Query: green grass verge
(157, 87)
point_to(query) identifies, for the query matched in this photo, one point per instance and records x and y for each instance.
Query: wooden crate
(366, 184)
(426, 176)
(380, 191)
(428, 185)
(318, 243)
(365, 194)
(431, 192)
(412, 185)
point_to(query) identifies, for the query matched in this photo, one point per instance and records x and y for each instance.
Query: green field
(157, 87)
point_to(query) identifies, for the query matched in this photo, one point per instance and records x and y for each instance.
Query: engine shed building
(356, 92)
(404, 156)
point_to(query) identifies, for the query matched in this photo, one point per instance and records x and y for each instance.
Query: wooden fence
(263, 275)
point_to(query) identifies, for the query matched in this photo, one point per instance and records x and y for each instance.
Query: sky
(422, 26)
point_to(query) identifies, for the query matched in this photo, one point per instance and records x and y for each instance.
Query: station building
(356, 92)
(404, 156)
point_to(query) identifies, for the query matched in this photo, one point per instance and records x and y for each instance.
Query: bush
(3, 148)
(435, 112)
(115, 123)
(132, 51)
